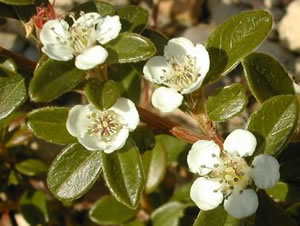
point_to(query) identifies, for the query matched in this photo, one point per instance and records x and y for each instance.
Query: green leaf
(12, 92)
(103, 8)
(182, 194)
(117, 213)
(49, 124)
(129, 48)
(19, 137)
(102, 95)
(284, 192)
(168, 214)
(73, 172)
(266, 77)
(123, 173)
(18, 2)
(8, 64)
(135, 222)
(143, 138)
(31, 167)
(33, 205)
(133, 18)
(234, 39)
(8, 11)
(155, 166)
(273, 124)
(54, 78)
(227, 102)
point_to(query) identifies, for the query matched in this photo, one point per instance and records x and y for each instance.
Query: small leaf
(182, 194)
(117, 213)
(103, 8)
(168, 214)
(8, 64)
(31, 167)
(234, 39)
(273, 124)
(227, 102)
(123, 173)
(73, 172)
(18, 2)
(284, 192)
(12, 92)
(49, 124)
(143, 138)
(133, 18)
(102, 95)
(33, 205)
(266, 77)
(54, 78)
(19, 137)
(129, 48)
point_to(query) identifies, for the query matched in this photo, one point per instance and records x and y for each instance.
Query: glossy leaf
(49, 124)
(103, 8)
(54, 78)
(227, 102)
(117, 213)
(102, 95)
(284, 192)
(129, 48)
(133, 18)
(123, 173)
(31, 167)
(18, 2)
(73, 172)
(273, 123)
(266, 77)
(12, 92)
(234, 39)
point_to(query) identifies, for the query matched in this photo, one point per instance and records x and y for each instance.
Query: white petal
(78, 121)
(205, 193)
(194, 86)
(157, 68)
(54, 31)
(202, 153)
(109, 29)
(118, 141)
(91, 57)
(202, 59)
(240, 142)
(265, 172)
(178, 47)
(87, 19)
(126, 108)
(58, 52)
(91, 143)
(296, 88)
(166, 99)
(241, 204)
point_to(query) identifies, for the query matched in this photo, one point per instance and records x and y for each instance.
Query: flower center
(104, 125)
(184, 72)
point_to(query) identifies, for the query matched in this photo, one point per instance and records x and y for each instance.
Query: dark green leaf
(18, 2)
(49, 124)
(103, 8)
(135, 222)
(227, 102)
(33, 205)
(13, 178)
(73, 172)
(284, 192)
(123, 173)
(133, 18)
(168, 214)
(234, 39)
(102, 95)
(117, 213)
(273, 123)
(155, 166)
(143, 138)
(129, 48)
(182, 194)
(12, 92)
(31, 167)
(54, 78)
(266, 77)
(8, 11)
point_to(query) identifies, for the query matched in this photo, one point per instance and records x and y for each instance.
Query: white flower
(103, 130)
(182, 70)
(225, 175)
(61, 42)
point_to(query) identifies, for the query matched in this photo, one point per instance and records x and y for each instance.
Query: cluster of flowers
(224, 174)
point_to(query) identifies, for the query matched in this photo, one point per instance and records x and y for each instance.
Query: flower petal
(78, 121)
(91, 57)
(91, 143)
(265, 171)
(156, 69)
(87, 19)
(201, 154)
(240, 142)
(178, 47)
(202, 59)
(194, 86)
(108, 29)
(54, 32)
(166, 99)
(241, 204)
(126, 108)
(117, 142)
(205, 193)
(58, 52)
